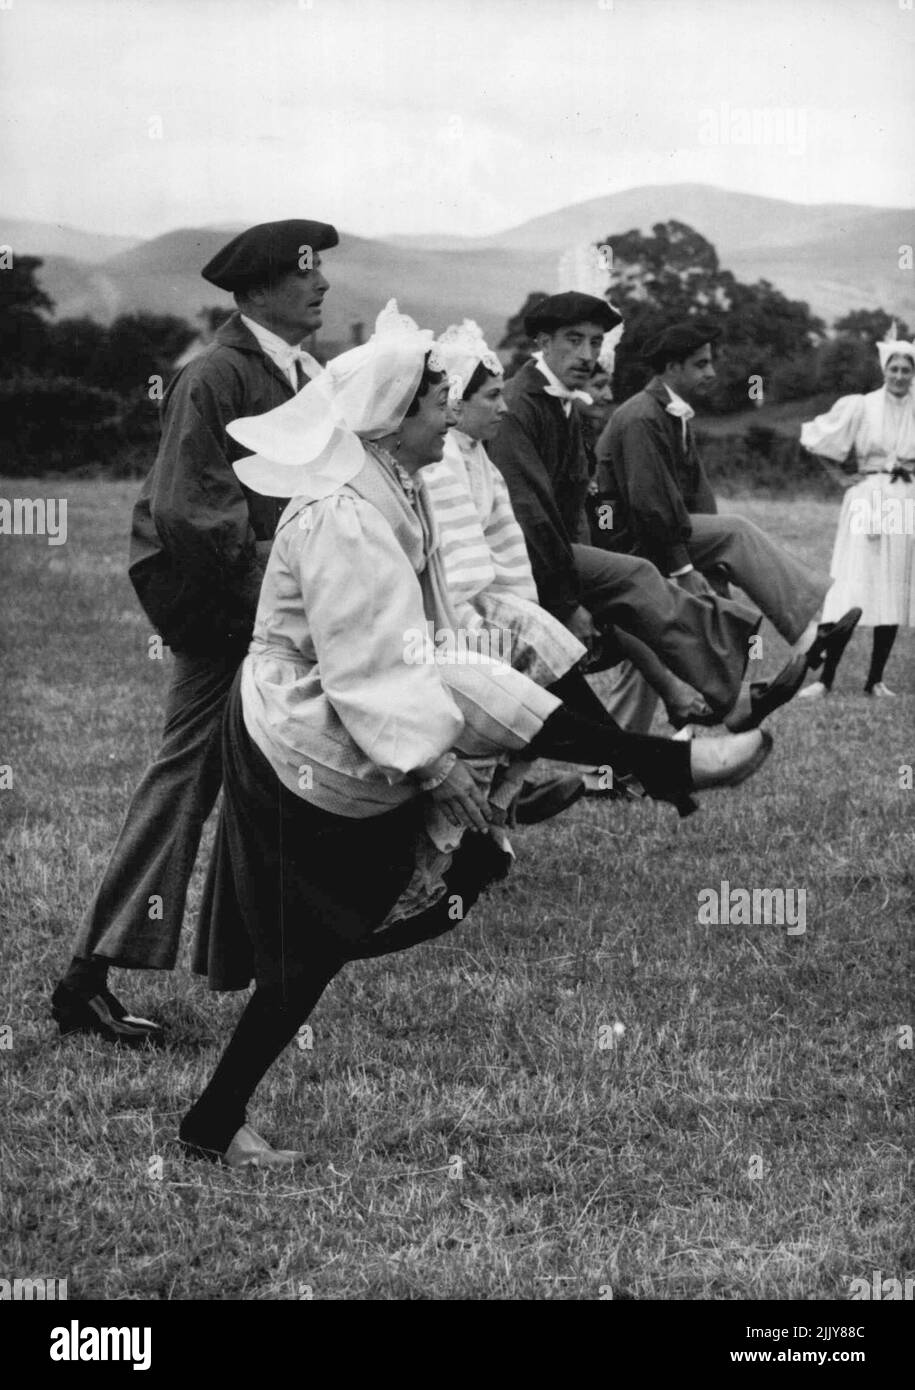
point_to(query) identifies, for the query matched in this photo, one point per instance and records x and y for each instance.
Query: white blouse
(879, 427)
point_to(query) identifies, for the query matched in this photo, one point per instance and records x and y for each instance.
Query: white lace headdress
(606, 358)
(311, 443)
(462, 348)
(893, 344)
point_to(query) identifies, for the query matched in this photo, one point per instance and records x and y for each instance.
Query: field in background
(468, 1134)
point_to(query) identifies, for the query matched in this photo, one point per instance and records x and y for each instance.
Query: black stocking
(86, 975)
(831, 664)
(576, 694)
(271, 1019)
(660, 764)
(884, 637)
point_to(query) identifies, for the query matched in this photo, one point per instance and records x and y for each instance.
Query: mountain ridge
(837, 257)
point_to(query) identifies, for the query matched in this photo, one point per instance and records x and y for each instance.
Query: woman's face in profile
(898, 374)
(423, 434)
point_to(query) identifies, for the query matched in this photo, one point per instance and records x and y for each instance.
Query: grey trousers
(785, 589)
(136, 915)
(630, 699)
(705, 641)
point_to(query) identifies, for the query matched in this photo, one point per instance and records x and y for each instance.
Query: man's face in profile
(694, 378)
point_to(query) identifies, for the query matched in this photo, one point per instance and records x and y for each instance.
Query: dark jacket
(651, 480)
(200, 539)
(542, 457)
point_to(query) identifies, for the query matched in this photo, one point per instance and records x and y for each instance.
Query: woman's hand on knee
(462, 800)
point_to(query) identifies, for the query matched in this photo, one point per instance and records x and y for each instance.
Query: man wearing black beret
(198, 549)
(541, 452)
(663, 507)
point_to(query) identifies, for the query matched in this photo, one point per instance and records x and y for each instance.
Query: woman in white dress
(873, 560)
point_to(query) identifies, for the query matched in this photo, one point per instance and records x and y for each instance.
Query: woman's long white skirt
(873, 560)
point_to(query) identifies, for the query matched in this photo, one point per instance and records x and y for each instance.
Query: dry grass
(468, 1137)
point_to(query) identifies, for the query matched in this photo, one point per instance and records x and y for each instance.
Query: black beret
(561, 310)
(264, 253)
(678, 342)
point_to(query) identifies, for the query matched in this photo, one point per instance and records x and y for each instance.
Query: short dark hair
(428, 379)
(477, 381)
(679, 342)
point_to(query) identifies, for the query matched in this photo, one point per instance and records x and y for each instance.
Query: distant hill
(733, 221)
(163, 275)
(836, 256)
(54, 239)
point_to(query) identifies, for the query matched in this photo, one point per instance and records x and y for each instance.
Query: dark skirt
(284, 872)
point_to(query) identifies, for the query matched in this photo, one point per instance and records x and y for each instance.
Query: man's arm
(530, 487)
(657, 514)
(704, 502)
(198, 505)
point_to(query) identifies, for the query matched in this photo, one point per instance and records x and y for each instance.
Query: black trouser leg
(884, 637)
(661, 765)
(270, 1021)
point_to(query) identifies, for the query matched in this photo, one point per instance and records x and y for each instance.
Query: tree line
(772, 348)
(75, 393)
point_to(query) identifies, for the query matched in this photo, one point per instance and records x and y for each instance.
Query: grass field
(469, 1133)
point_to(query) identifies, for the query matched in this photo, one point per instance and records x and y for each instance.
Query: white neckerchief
(556, 388)
(679, 408)
(283, 354)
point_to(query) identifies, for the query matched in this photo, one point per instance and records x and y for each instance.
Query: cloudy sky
(468, 116)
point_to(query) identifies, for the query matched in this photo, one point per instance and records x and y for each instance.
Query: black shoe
(539, 801)
(625, 787)
(768, 696)
(708, 719)
(832, 637)
(102, 1014)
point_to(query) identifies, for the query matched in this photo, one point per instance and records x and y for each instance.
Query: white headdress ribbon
(893, 344)
(461, 349)
(311, 444)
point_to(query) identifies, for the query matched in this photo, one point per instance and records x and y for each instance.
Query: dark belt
(897, 474)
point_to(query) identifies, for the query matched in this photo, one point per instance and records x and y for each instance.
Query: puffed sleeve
(833, 435)
(365, 615)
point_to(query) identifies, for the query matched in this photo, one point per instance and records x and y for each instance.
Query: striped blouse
(482, 544)
(486, 564)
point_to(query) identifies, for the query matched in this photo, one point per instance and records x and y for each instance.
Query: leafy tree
(871, 325)
(55, 422)
(23, 331)
(72, 345)
(137, 347)
(673, 274)
(847, 366)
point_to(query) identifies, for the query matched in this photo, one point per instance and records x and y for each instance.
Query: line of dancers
(304, 540)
